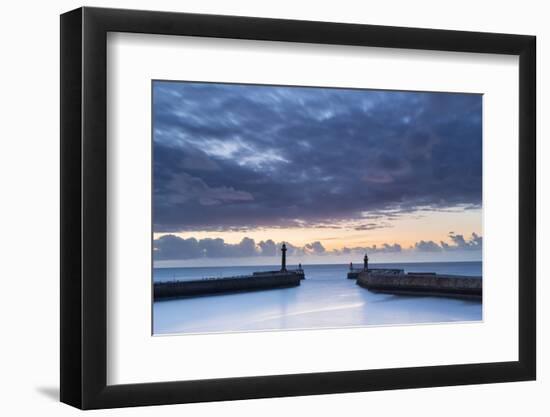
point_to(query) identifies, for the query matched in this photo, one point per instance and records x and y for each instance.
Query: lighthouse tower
(283, 258)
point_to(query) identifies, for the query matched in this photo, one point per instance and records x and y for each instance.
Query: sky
(239, 169)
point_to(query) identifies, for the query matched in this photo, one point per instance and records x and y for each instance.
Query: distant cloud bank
(172, 247)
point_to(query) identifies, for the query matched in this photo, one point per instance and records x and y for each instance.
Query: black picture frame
(84, 207)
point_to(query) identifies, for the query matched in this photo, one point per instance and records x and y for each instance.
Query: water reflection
(325, 299)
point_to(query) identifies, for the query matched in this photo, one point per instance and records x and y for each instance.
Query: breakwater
(299, 272)
(419, 283)
(354, 273)
(254, 282)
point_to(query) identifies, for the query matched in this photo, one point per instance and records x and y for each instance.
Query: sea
(325, 299)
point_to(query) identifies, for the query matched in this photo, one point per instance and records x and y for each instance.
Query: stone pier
(426, 284)
(258, 281)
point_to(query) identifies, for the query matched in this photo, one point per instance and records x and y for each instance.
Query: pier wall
(299, 272)
(423, 284)
(164, 290)
(354, 273)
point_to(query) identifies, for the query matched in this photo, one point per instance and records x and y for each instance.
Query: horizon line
(305, 265)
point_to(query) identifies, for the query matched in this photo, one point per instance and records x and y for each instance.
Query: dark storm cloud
(234, 156)
(372, 226)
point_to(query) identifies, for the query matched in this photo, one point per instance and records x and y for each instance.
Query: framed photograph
(258, 208)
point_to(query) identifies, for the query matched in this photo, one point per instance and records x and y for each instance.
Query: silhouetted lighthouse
(283, 258)
(366, 263)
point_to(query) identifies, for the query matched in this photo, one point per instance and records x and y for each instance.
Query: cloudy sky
(333, 172)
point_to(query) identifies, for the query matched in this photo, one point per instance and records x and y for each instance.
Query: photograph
(280, 208)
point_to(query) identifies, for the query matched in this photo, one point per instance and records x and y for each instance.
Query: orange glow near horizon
(405, 230)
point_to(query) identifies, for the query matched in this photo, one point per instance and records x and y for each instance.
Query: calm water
(325, 299)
